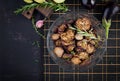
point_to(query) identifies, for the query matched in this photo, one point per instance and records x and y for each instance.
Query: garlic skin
(39, 23)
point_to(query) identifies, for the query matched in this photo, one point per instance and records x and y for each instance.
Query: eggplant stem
(106, 24)
(107, 32)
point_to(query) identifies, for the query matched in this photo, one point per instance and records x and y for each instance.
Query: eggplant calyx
(106, 24)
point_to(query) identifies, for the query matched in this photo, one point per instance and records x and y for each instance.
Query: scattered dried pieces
(90, 48)
(76, 60)
(83, 24)
(67, 56)
(82, 44)
(55, 36)
(58, 51)
(78, 36)
(61, 28)
(71, 47)
(58, 43)
(83, 55)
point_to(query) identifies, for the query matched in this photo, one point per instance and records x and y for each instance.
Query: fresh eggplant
(111, 9)
(89, 4)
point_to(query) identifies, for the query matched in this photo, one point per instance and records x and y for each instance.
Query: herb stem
(36, 43)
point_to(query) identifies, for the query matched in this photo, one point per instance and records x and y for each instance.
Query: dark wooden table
(22, 61)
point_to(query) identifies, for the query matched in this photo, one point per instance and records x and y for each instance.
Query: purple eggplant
(89, 4)
(111, 9)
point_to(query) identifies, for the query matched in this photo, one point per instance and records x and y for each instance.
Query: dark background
(22, 61)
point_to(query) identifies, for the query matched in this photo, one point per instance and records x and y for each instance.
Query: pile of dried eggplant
(75, 41)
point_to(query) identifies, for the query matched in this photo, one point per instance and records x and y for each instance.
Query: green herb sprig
(26, 8)
(83, 33)
(56, 7)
